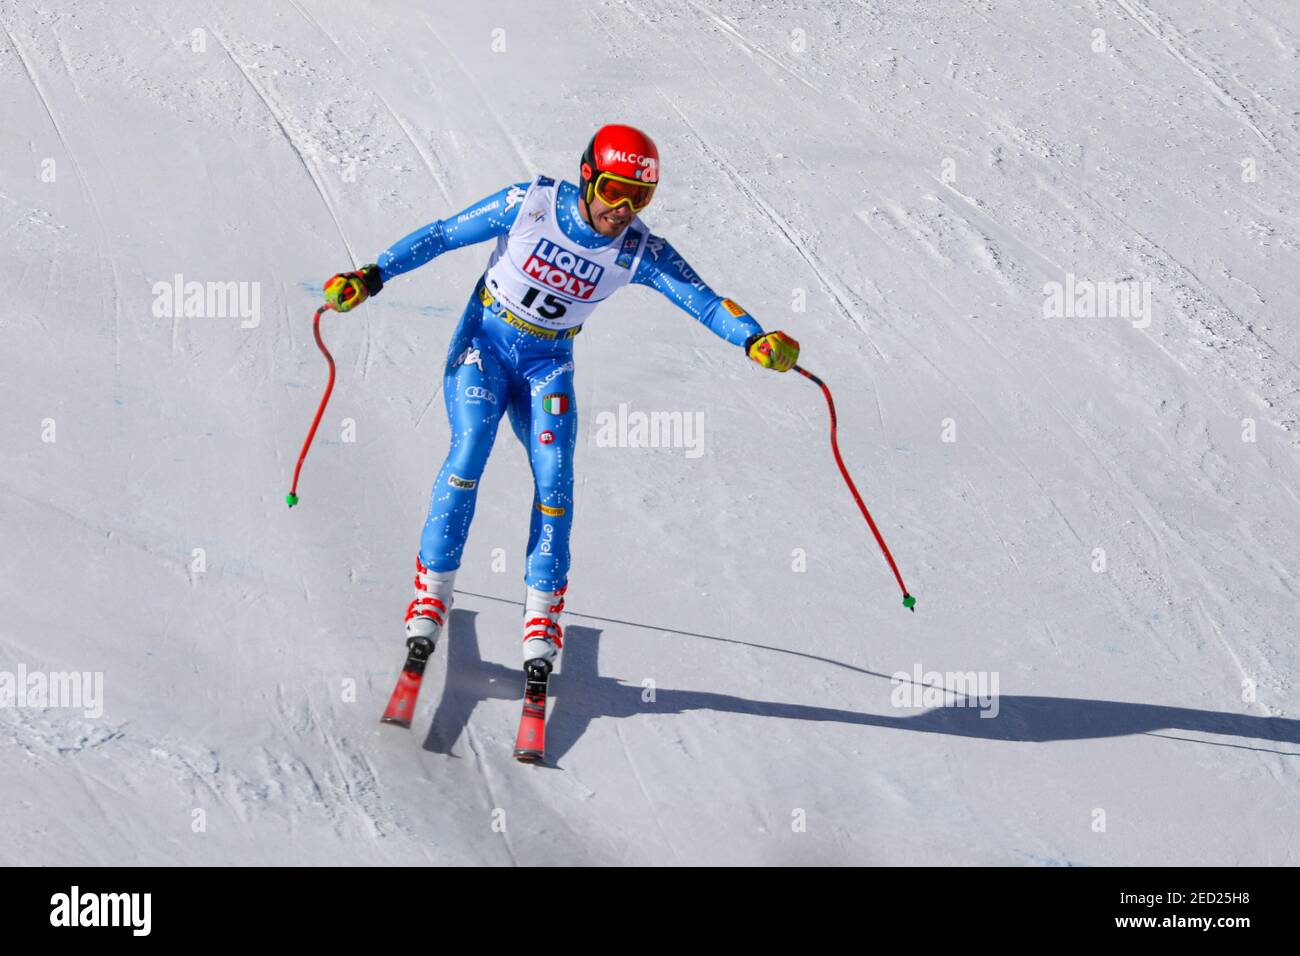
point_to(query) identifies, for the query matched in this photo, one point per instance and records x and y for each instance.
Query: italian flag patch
(556, 404)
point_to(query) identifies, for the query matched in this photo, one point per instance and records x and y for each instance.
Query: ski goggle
(614, 191)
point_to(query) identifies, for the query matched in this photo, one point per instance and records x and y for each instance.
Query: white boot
(429, 612)
(543, 636)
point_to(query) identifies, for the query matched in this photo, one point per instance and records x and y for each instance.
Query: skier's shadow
(470, 679)
(583, 695)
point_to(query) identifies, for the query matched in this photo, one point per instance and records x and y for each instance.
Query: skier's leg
(521, 413)
(552, 431)
(474, 391)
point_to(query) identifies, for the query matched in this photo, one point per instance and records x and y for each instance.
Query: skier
(561, 250)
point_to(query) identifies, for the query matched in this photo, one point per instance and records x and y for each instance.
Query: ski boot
(426, 616)
(543, 636)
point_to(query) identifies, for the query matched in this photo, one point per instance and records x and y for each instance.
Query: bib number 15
(552, 306)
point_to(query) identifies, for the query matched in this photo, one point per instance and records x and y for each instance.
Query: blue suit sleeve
(662, 267)
(488, 218)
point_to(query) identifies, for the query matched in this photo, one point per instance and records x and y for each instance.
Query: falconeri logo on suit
(557, 268)
(467, 216)
(551, 376)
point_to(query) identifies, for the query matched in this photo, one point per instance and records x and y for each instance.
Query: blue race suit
(494, 367)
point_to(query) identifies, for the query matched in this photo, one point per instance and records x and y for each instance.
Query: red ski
(530, 743)
(401, 706)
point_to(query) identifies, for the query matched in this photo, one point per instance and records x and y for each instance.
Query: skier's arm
(486, 219)
(662, 267)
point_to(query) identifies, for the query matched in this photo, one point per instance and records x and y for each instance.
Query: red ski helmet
(620, 164)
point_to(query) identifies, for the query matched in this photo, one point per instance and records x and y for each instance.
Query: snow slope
(919, 176)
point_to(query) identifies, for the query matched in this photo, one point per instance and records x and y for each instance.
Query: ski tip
(396, 721)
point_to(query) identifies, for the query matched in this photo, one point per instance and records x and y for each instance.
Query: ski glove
(774, 350)
(347, 290)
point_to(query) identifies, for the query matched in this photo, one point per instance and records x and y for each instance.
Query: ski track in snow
(426, 158)
(278, 116)
(363, 360)
(485, 775)
(486, 100)
(750, 48)
(784, 229)
(1182, 51)
(645, 794)
(107, 249)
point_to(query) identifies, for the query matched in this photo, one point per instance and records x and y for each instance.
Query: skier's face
(608, 220)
